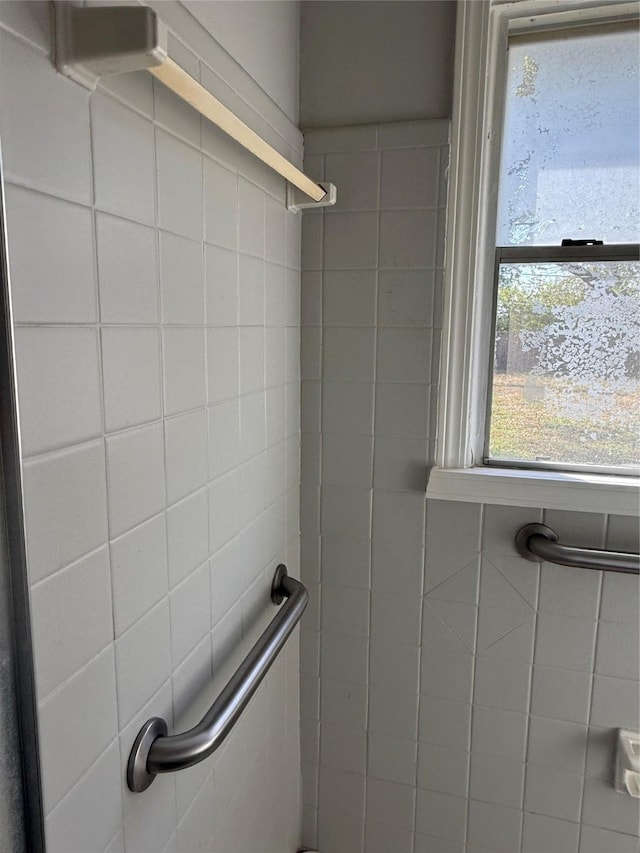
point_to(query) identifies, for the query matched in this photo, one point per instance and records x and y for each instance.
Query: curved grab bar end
(138, 777)
(524, 535)
(277, 593)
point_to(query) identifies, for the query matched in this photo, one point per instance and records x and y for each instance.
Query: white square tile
(56, 284)
(408, 239)
(395, 618)
(496, 780)
(392, 758)
(356, 173)
(393, 713)
(182, 280)
(443, 769)
(127, 271)
(135, 476)
(557, 744)
(275, 357)
(58, 387)
(186, 451)
(187, 536)
(347, 407)
(494, 827)
(404, 355)
(65, 507)
(82, 712)
(615, 703)
(131, 376)
(276, 295)
(341, 793)
(251, 290)
(222, 364)
(343, 749)
(220, 205)
(312, 232)
(349, 298)
(380, 837)
(342, 702)
(393, 665)
(123, 160)
(252, 491)
(349, 354)
(143, 661)
(252, 426)
(595, 840)
(190, 613)
(502, 684)
(224, 498)
(57, 159)
(547, 833)
(134, 88)
(555, 793)
(221, 277)
(444, 722)
(184, 369)
(572, 592)
(339, 832)
(138, 571)
(618, 651)
(311, 299)
(390, 803)
(562, 641)
(499, 733)
(620, 598)
(347, 460)
(180, 203)
(561, 693)
(344, 663)
(400, 464)
(224, 437)
(605, 808)
(274, 230)
(71, 614)
(501, 524)
(250, 219)
(446, 674)
(345, 611)
(350, 241)
(441, 815)
(252, 364)
(402, 410)
(409, 178)
(405, 298)
(90, 815)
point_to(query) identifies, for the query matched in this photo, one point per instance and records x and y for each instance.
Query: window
(565, 384)
(541, 358)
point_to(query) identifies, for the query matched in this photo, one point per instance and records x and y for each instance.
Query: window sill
(543, 489)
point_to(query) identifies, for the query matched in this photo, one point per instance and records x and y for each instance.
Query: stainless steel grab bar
(154, 751)
(538, 542)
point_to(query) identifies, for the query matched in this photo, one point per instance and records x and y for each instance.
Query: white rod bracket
(298, 200)
(97, 40)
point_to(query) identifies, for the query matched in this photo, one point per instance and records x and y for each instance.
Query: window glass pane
(570, 161)
(566, 378)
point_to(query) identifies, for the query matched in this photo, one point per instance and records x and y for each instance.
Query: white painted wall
(375, 61)
(262, 37)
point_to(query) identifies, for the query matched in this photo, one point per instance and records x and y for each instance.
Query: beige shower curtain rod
(93, 41)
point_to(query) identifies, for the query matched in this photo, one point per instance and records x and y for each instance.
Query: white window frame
(483, 27)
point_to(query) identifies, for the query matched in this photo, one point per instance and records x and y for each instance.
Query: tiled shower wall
(455, 697)
(155, 286)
